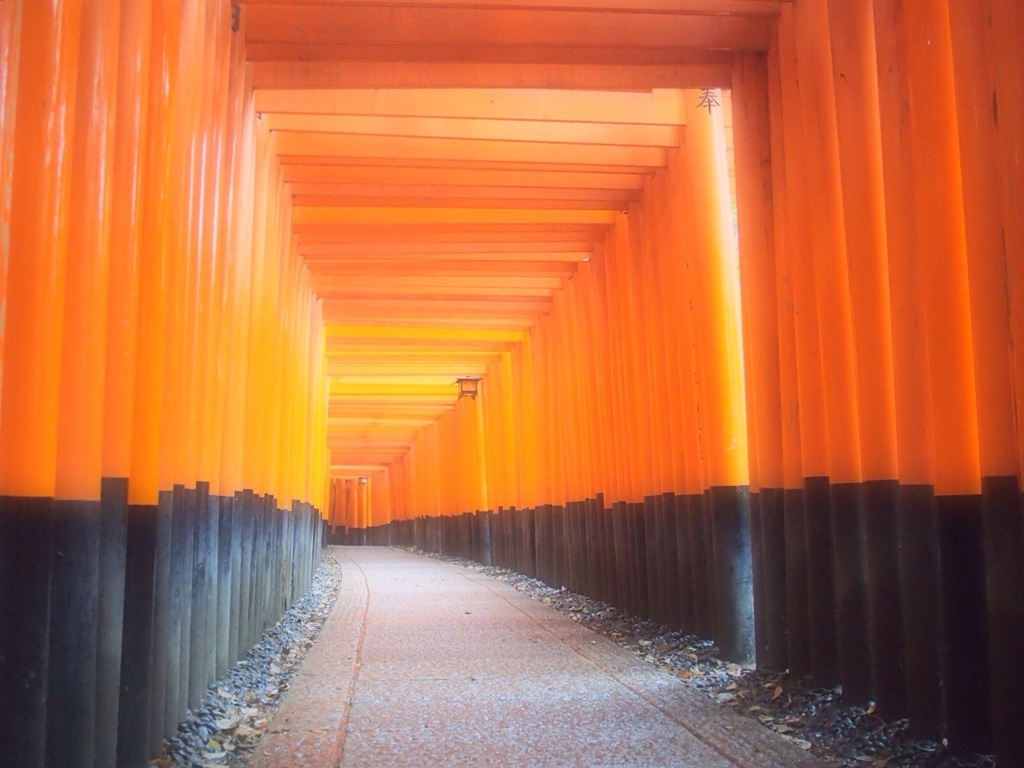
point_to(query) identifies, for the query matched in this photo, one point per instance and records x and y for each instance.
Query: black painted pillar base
(757, 571)
(772, 519)
(223, 658)
(851, 593)
(1004, 561)
(110, 615)
(137, 653)
(71, 677)
(623, 571)
(26, 539)
(670, 560)
(485, 537)
(684, 565)
(882, 548)
(699, 524)
(651, 553)
(965, 668)
(734, 598)
(921, 611)
(798, 629)
(161, 630)
(821, 592)
(638, 558)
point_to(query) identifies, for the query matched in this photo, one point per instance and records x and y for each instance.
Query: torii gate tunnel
(737, 286)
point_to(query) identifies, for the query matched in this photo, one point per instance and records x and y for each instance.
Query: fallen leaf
(777, 692)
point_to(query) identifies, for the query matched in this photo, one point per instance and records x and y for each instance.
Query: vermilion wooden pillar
(36, 259)
(980, 120)
(797, 273)
(938, 216)
(121, 351)
(918, 562)
(71, 689)
(722, 396)
(860, 157)
(755, 198)
(10, 45)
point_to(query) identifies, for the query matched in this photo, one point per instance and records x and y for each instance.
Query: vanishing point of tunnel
(709, 309)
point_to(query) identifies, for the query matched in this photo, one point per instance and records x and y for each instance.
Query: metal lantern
(468, 386)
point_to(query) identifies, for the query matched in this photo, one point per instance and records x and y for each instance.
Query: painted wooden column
(939, 229)
(1005, 33)
(10, 47)
(147, 565)
(797, 278)
(827, 248)
(792, 480)
(754, 200)
(74, 593)
(714, 262)
(919, 554)
(121, 352)
(977, 59)
(860, 158)
(40, 185)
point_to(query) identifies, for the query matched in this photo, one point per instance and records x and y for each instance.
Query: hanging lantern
(468, 386)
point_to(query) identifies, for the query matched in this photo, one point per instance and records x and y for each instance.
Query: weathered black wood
(703, 624)
(559, 563)
(212, 588)
(26, 546)
(531, 542)
(684, 556)
(730, 512)
(136, 697)
(623, 566)
(594, 552)
(237, 536)
(486, 551)
(821, 591)
(851, 581)
(552, 562)
(166, 635)
(247, 527)
(110, 615)
(610, 570)
(772, 511)
(921, 609)
(200, 594)
(71, 671)
(653, 553)
(639, 541)
(185, 610)
(798, 629)
(757, 561)
(670, 559)
(611, 574)
(964, 640)
(882, 547)
(1004, 560)
(224, 607)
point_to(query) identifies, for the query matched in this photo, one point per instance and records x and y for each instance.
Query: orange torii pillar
(47, 76)
(113, 449)
(722, 390)
(986, 55)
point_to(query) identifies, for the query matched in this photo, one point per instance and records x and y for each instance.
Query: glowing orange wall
(157, 323)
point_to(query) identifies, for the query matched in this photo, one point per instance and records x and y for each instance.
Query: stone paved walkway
(425, 663)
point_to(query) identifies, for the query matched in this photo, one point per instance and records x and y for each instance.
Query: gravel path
(814, 718)
(237, 709)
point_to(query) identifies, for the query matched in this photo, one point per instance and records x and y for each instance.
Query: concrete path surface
(425, 663)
